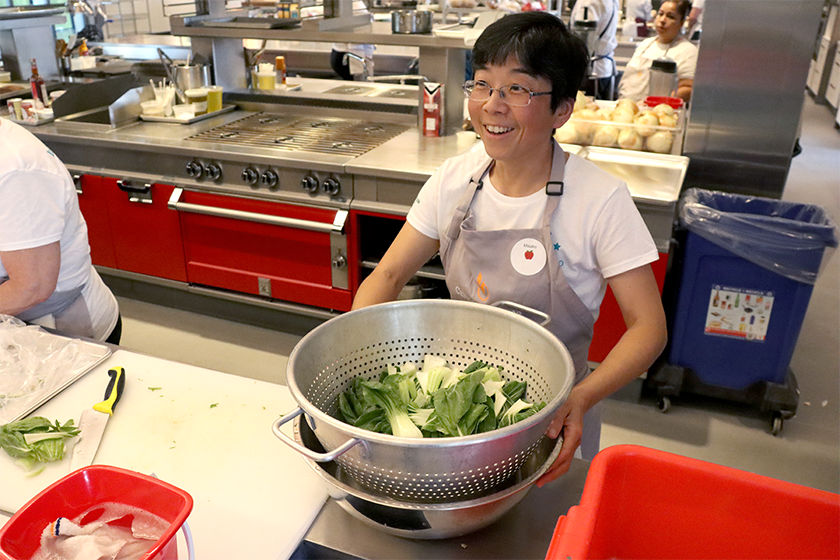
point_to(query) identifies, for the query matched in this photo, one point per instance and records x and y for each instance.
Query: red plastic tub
(654, 100)
(77, 492)
(643, 503)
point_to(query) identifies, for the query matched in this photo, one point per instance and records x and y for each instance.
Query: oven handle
(336, 227)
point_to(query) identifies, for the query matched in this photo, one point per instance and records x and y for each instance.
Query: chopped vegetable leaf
(36, 440)
(155, 388)
(214, 405)
(436, 400)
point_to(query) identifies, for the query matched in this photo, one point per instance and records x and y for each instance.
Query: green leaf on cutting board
(36, 440)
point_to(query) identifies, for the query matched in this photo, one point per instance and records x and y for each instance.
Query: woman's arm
(684, 89)
(409, 251)
(641, 306)
(33, 275)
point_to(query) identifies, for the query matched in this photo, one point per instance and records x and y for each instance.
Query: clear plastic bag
(787, 238)
(35, 365)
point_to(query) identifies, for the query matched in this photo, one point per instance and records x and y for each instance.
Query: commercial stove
(256, 202)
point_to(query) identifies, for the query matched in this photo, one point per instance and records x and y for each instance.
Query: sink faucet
(365, 69)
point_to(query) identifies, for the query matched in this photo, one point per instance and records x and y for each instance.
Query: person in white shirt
(518, 219)
(606, 13)
(46, 275)
(668, 43)
(695, 19)
(636, 15)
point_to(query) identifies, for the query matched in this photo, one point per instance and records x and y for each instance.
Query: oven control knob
(195, 169)
(309, 184)
(331, 186)
(250, 176)
(269, 178)
(214, 171)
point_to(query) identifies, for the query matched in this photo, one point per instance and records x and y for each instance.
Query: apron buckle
(552, 189)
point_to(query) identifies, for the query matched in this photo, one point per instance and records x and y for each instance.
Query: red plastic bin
(77, 492)
(654, 100)
(643, 503)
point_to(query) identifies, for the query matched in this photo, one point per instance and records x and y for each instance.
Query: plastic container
(745, 270)
(153, 108)
(77, 492)
(644, 503)
(596, 125)
(654, 100)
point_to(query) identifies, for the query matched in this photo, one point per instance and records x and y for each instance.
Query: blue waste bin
(748, 265)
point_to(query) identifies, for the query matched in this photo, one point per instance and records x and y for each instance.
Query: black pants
(116, 334)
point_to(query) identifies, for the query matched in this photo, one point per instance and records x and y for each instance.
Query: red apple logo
(529, 255)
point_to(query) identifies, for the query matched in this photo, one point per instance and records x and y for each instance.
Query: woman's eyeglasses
(514, 95)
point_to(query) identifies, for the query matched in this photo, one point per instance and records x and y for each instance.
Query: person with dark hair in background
(668, 43)
(518, 219)
(46, 275)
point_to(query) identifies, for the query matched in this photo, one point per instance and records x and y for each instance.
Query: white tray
(223, 110)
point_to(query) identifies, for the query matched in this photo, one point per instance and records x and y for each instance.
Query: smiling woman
(522, 221)
(668, 43)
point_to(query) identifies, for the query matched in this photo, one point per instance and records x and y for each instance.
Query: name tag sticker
(528, 257)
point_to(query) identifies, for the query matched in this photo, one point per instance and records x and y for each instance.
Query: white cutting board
(254, 497)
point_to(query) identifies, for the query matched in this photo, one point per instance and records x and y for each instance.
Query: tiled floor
(807, 451)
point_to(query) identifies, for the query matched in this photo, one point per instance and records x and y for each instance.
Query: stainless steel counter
(524, 533)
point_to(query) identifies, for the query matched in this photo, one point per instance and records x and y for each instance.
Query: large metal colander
(363, 342)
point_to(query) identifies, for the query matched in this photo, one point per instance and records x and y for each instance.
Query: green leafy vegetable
(436, 400)
(36, 440)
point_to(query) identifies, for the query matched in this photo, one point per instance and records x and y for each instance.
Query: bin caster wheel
(664, 404)
(776, 426)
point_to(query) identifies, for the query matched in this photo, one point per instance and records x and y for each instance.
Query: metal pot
(411, 21)
(185, 76)
(363, 342)
(420, 520)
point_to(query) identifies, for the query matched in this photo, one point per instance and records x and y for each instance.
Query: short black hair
(542, 44)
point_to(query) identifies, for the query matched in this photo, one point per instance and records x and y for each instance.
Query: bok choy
(435, 400)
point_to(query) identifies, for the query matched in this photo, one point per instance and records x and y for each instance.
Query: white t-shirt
(39, 206)
(635, 82)
(607, 14)
(636, 9)
(597, 232)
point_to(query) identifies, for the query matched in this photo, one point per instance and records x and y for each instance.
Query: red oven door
(279, 250)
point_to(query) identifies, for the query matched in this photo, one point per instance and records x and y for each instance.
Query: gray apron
(68, 310)
(519, 265)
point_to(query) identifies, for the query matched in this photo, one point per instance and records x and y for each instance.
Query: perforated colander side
(369, 362)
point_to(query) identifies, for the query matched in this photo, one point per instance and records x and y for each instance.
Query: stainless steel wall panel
(747, 99)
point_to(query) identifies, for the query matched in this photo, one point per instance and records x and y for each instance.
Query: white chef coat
(607, 14)
(634, 9)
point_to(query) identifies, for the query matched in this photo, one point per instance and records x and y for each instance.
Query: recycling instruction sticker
(739, 313)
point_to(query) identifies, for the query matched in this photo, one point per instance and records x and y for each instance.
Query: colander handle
(305, 451)
(524, 310)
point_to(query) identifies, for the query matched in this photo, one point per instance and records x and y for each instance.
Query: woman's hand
(569, 422)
